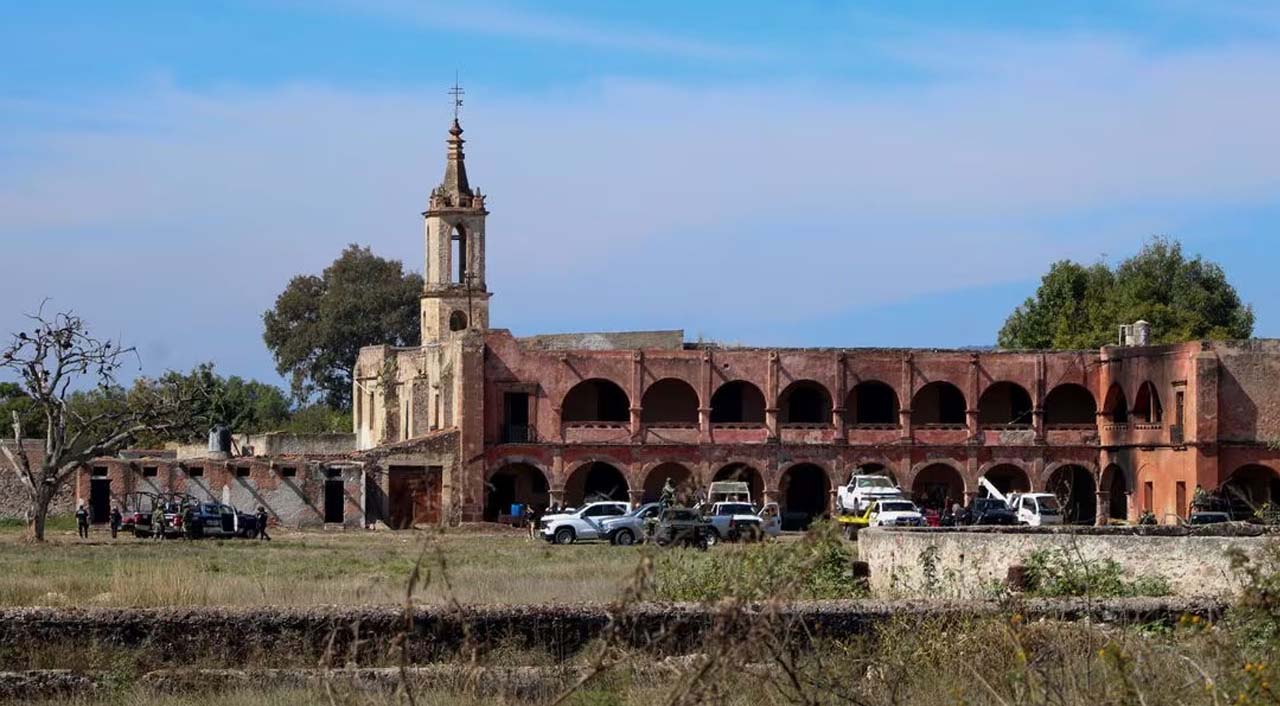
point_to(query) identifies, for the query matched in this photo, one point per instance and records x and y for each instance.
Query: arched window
(1004, 404)
(1077, 493)
(1146, 406)
(939, 403)
(804, 402)
(458, 254)
(805, 490)
(596, 400)
(669, 401)
(737, 402)
(872, 403)
(1116, 407)
(511, 484)
(938, 487)
(592, 482)
(1070, 405)
(457, 321)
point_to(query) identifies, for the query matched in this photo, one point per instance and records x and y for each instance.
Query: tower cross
(457, 93)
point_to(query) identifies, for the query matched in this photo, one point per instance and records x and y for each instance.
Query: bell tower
(454, 297)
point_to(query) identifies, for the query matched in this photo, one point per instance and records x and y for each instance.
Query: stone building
(560, 419)
(475, 419)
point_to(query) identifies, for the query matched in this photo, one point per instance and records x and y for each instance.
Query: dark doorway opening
(596, 481)
(805, 492)
(334, 500)
(515, 418)
(515, 484)
(1077, 494)
(1070, 404)
(938, 487)
(99, 496)
(1113, 479)
(746, 474)
(669, 401)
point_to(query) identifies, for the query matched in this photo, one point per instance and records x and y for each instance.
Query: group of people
(160, 524)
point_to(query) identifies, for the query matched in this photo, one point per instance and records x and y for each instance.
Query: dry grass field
(304, 568)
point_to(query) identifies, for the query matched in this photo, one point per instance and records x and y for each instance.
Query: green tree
(243, 406)
(319, 323)
(1078, 306)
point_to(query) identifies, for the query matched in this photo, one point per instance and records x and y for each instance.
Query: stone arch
(1146, 406)
(1006, 476)
(595, 480)
(1116, 484)
(742, 471)
(872, 403)
(669, 400)
(1254, 483)
(872, 466)
(596, 400)
(657, 476)
(737, 402)
(804, 491)
(1116, 406)
(937, 485)
(1074, 485)
(515, 482)
(457, 321)
(938, 403)
(1070, 404)
(1005, 403)
(804, 402)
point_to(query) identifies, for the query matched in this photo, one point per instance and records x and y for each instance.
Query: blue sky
(801, 173)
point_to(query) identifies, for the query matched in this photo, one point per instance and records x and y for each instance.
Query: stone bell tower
(454, 298)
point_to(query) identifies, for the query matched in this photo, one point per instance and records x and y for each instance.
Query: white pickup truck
(584, 523)
(854, 497)
(1035, 509)
(733, 521)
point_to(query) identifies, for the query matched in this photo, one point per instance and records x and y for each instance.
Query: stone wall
(967, 564)
(13, 494)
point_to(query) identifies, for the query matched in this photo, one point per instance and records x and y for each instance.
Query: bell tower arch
(455, 298)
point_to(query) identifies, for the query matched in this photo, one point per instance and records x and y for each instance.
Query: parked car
(1208, 517)
(632, 527)
(1036, 509)
(894, 512)
(735, 521)
(585, 523)
(984, 511)
(861, 490)
(682, 527)
(218, 520)
(140, 505)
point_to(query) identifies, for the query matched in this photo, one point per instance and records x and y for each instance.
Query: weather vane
(456, 92)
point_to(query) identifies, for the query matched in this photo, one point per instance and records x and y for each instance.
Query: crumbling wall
(13, 494)
(969, 563)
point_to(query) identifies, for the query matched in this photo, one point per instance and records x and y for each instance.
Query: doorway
(334, 502)
(99, 496)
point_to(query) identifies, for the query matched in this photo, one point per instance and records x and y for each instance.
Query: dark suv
(218, 520)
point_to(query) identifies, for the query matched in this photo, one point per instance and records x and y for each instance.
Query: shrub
(1055, 572)
(817, 567)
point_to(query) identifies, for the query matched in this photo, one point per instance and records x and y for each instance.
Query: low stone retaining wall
(971, 562)
(293, 637)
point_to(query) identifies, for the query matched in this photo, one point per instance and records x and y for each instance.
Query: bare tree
(56, 363)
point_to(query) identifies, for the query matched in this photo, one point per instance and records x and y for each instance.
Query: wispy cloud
(722, 209)
(511, 22)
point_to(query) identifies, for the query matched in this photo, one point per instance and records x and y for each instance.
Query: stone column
(904, 397)
(1103, 510)
(637, 389)
(838, 422)
(971, 414)
(636, 496)
(1037, 401)
(555, 496)
(771, 397)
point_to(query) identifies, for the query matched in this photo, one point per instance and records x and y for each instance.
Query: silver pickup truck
(734, 521)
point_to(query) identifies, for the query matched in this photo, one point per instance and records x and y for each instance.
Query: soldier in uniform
(668, 493)
(82, 521)
(157, 520)
(262, 523)
(116, 520)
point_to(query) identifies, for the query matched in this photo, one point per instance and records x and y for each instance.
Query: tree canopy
(1079, 306)
(319, 323)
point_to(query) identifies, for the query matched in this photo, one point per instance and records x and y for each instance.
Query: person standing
(157, 521)
(82, 521)
(262, 524)
(116, 520)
